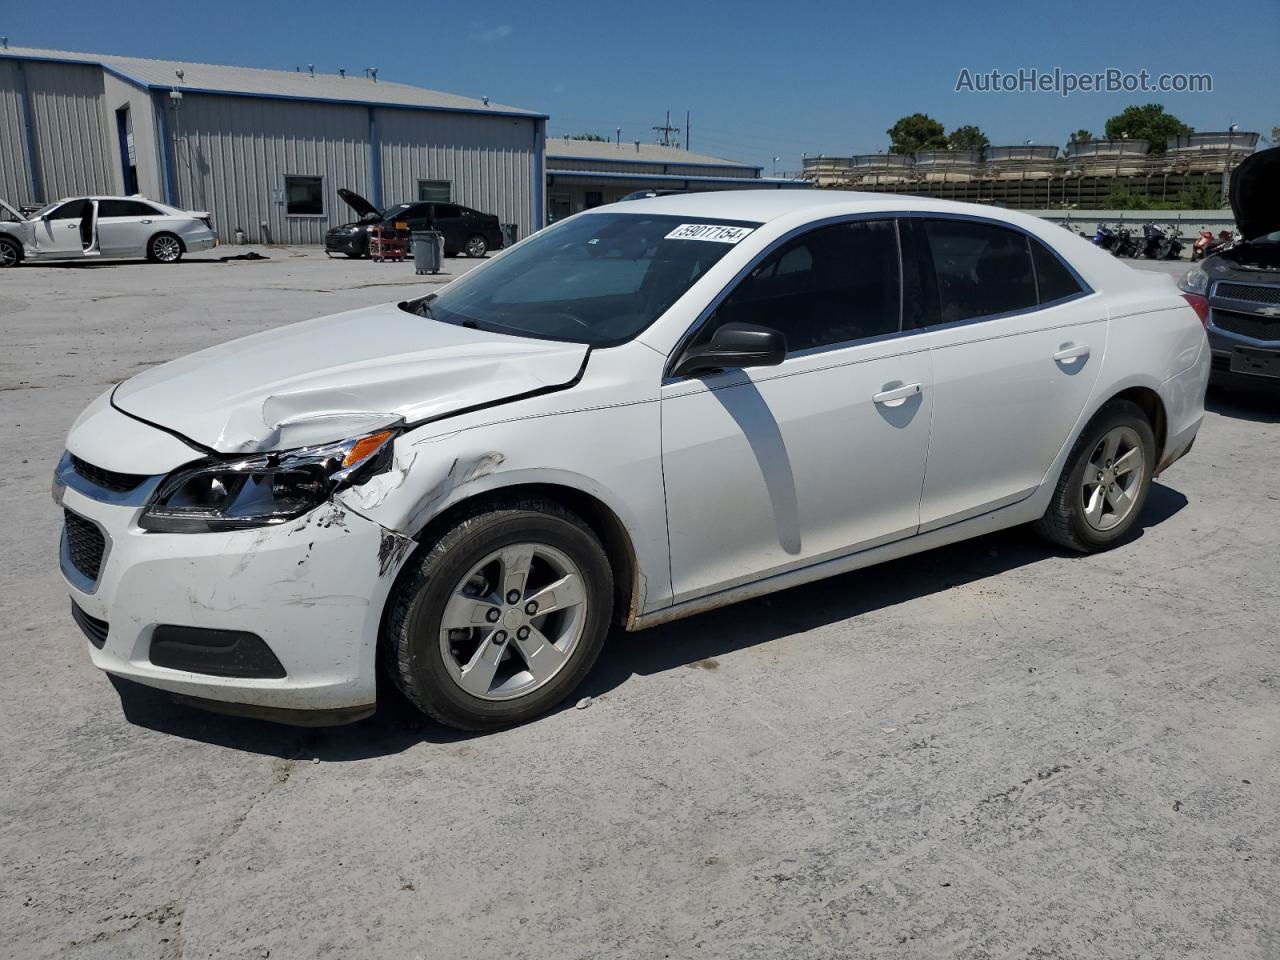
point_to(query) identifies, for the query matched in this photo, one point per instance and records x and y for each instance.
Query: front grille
(94, 629)
(85, 544)
(107, 479)
(1248, 292)
(1246, 324)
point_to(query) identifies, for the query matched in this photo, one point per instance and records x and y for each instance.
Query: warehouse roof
(632, 153)
(281, 84)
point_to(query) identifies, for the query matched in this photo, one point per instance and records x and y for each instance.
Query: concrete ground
(993, 750)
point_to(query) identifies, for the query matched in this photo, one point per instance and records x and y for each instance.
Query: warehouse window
(304, 196)
(435, 191)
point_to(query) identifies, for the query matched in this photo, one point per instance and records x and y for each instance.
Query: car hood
(16, 213)
(363, 208)
(341, 376)
(1255, 194)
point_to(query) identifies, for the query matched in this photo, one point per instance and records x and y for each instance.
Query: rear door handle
(144, 221)
(897, 396)
(1070, 353)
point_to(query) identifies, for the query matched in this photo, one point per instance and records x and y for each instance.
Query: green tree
(967, 138)
(1149, 122)
(916, 132)
(1203, 196)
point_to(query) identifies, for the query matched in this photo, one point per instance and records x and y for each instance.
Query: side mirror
(733, 346)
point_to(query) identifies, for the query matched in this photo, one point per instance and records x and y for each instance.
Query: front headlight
(1196, 281)
(265, 489)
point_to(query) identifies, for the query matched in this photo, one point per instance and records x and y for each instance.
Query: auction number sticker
(714, 232)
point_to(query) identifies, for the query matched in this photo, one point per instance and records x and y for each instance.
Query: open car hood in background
(342, 376)
(1255, 194)
(359, 204)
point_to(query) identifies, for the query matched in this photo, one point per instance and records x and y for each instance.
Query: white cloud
(486, 34)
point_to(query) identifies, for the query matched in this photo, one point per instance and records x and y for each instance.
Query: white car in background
(645, 411)
(107, 227)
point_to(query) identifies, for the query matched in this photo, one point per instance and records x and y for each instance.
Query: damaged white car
(643, 412)
(102, 227)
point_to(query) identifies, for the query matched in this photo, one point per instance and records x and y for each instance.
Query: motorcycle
(1104, 237)
(1171, 245)
(1126, 243)
(1207, 244)
(1152, 238)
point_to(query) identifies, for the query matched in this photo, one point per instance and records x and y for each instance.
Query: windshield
(598, 279)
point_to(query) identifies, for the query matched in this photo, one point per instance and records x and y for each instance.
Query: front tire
(501, 617)
(164, 248)
(1105, 482)
(476, 247)
(10, 253)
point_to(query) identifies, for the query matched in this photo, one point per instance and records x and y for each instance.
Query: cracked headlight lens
(264, 489)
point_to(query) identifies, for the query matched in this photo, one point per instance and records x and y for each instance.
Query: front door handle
(73, 226)
(897, 396)
(144, 221)
(1070, 353)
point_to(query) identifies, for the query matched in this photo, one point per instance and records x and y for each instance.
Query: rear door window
(980, 269)
(1054, 281)
(126, 208)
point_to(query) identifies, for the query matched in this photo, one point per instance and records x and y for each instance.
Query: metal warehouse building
(582, 174)
(257, 146)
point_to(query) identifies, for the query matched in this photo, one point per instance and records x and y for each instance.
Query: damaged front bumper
(278, 622)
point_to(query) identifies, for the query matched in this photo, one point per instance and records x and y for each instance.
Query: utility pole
(665, 131)
(686, 129)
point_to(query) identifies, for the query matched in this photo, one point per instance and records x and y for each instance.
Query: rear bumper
(1183, 399)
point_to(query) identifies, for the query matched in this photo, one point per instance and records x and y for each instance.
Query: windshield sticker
(708, 231)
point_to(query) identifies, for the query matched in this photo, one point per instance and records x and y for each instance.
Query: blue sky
(760, 79)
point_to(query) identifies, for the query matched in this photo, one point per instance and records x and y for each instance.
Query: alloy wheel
(1113, 478)
(166, 249)
(513, 622)
(8, 255)
(476, 247)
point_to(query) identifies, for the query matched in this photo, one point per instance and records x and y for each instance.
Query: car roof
(794, 208)
(761, 206)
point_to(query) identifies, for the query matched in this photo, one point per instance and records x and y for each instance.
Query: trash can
(428, 250)
(510, 234)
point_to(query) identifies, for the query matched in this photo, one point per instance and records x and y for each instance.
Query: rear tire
(10, 252)
(1105, 482)
(476, 247)
(502, 665)
(164, 248)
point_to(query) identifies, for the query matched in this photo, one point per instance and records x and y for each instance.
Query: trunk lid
(340, 376)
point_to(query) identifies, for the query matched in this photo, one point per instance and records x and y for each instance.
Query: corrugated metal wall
(490, 161)
(71, 145)
(116, 94)
(233, 154)
(15, 178)
(674, 169)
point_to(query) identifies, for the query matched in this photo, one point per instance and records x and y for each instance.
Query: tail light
(1200, 305)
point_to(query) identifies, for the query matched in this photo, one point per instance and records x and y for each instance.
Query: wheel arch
(182, 243)
(1149, 402)
(599, 516)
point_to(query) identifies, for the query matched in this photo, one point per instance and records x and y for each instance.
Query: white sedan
(103, 227)
(643, 412)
